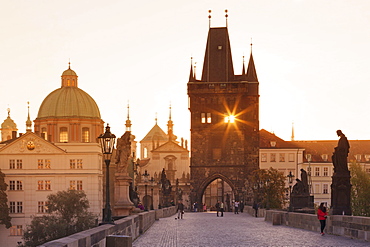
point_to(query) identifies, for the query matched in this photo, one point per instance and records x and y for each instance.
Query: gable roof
(156, 133)
(40, 145)
(169, 147)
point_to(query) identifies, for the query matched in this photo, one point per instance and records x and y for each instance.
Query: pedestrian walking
(222, 209)
(204, 207)
(195, 206)
(180, 210)
(241, 206)
(322, 214)
(236, 206)
(255, 207)
(217, 207)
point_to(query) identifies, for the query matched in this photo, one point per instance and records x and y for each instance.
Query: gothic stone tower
(224, 111)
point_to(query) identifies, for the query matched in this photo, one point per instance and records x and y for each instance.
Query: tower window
(85, 135)
(145, 153)
(63, 134)
(44, 133)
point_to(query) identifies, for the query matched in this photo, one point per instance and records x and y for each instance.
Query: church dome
(8, 124)
(68, 102)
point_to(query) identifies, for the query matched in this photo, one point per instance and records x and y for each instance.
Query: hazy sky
(312, 59)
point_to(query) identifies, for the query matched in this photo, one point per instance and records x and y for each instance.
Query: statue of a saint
(298, 188)
(304, 180)
(340, 154)
(123, 152)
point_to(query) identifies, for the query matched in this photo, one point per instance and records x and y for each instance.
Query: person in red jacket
(322, 215)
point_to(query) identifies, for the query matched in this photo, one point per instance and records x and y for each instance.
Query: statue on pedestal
(123, 152)
(341, 179)
(300, 197)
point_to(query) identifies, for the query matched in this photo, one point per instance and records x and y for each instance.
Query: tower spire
(128, 121)
(28, 122)
(209, 18)
(226, 15)
(251, 71)
(292, 138)
(191, 76)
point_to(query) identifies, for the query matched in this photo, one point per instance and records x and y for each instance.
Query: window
(325, 189)
(85, 135)
(43, 164)
(209, 117)
(272, 157)
(79, 184)
(63, 134)
(358, 157)
(309, 171)
(19, 185)
(326, 171)
(223, 85)
(367, 170)
(229, 119)
(308, 157)
(72, 164)
(19, 164)
(281, 157)
(47, 185)
(367, 157)
(145, 153)
(79, 163)
(40, 185)
(16, 207)
(47, 164)
(291, 157)
(40, 164)
(72, 185)
(203, 117)
(211, 85)
(263, 157)
(317, 171)
(44, 133)
(44, 185)
(42, 208)
(15, 185)
(11, 164)
(324, 157)
(16, 230)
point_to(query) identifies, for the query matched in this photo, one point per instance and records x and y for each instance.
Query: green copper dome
(68, 102)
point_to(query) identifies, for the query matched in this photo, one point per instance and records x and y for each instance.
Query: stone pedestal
(341, 194)
(301, 201)
(122, 203)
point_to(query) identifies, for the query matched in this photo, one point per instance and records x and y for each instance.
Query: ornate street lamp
(107, 141)
(146, 175)
(290, 181)
(152, 183)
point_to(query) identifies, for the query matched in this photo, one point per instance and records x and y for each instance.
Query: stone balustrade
(349, 226)
(132, 226)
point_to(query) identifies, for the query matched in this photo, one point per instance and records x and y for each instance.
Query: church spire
(170, 126)
(251, 71)
(28, 122)
(292, 138)
(128, 121)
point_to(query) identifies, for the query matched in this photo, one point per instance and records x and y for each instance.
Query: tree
(268, 187)
(4, 209)
(360, 191)
(67, 215)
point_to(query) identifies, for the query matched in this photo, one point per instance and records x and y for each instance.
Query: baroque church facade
(62, 153)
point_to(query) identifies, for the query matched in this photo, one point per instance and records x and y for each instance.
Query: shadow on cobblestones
(205, 229)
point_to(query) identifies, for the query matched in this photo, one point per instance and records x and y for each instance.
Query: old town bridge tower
(224, 110)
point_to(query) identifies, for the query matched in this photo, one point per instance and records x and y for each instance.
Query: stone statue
(166, 184)
(340, 154)
(123, 152)
(298, 188)
(304, 180)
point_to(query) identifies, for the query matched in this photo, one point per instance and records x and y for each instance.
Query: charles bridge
(270, 228)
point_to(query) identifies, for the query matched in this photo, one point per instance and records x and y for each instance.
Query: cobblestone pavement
(205, 229)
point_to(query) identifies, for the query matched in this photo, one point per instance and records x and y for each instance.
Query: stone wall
(133, 226)
(342, 225)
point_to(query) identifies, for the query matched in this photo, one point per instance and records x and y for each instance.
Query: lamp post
(146, 175)
(290, 181)
(106, 141)
(152, 181)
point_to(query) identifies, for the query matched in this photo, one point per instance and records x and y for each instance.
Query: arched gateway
(224, 111)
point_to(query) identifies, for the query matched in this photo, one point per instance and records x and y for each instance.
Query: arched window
(63, 134)
(44, 133)
(85, 134)
(145, 153)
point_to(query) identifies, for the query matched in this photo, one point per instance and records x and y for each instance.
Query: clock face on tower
(30, 145)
